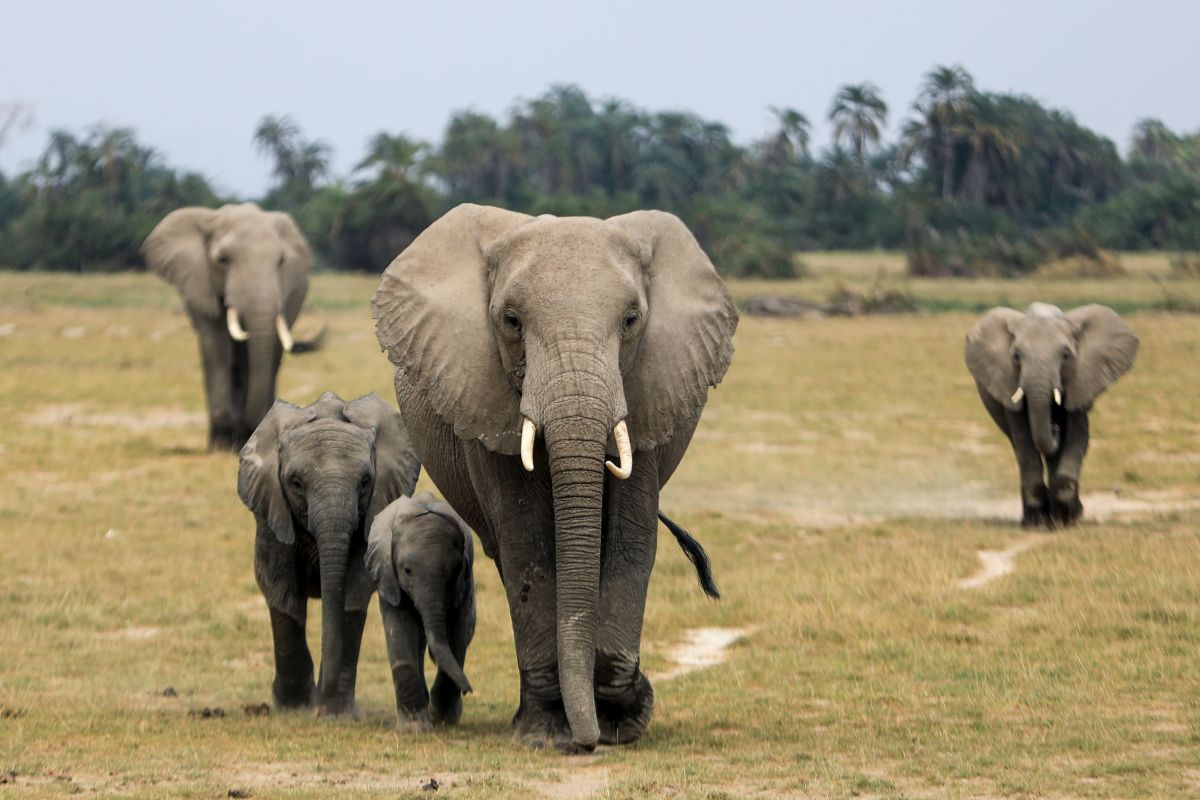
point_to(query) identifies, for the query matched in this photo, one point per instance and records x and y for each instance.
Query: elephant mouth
(622, 470)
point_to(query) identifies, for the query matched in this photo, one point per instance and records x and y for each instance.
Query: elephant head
(1045, 356)
(419, 547)
(241, 264)
(600, 336)
(327, 469)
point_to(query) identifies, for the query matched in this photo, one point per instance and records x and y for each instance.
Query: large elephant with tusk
(552, 372)
(1038, 373)
(242, 274)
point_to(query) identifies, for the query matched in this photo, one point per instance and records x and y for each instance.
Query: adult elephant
(242, 274)
(577, 344)
(1038, 373)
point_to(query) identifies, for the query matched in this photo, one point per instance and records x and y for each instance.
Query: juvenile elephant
(315, 477)
(421, 557)
(242, 274)
(552, 372)
(1038, 374)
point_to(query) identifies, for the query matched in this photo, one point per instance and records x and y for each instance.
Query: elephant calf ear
(397, 466)
(258, 469)
(1105, 348)
(381, 542)
(989, 355)
(688, 340)
(176, 251)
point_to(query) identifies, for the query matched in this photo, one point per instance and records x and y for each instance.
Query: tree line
(976, 182)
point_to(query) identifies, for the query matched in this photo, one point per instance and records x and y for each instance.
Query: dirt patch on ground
(998, 563)
(576, 784)
(77, 415)
(701, 648)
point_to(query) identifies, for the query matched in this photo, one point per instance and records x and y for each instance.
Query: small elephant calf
(315, 477)
(420, 555)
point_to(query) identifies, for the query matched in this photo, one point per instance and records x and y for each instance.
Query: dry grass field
(845, 479)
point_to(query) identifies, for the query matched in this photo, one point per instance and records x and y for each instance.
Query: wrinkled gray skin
(420, 556)
(240, 257)
(575, 324)
(315, 477)
(1078, 353)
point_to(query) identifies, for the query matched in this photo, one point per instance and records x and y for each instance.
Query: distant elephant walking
(242, 274)
(1038, 374)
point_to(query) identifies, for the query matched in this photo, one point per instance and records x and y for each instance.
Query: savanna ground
(844, 479)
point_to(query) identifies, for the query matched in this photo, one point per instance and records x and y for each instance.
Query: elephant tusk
(1018, 395)
(285, 336)
(624, 452)
(235, 326)
(1057, 397)
(528, 431)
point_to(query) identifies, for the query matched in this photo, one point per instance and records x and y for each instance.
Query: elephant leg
(445, 698)
(352, 629)
(293, 687)
(217, 360)
(1065, 468)
(624, 696)
(1035, 500)
(406, 657)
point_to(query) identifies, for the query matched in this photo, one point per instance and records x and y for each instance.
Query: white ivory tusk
(1057, 397)
(1018, 395)
(285, 336)
(624, 452)
(528, 431)
(235, 326)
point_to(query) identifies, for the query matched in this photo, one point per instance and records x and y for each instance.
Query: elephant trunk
(263, 360)
(333, 531)
(432, 609)
(577, 424)
(1041, 423)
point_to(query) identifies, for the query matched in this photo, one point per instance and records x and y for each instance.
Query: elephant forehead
(565, 243)
(328, 438)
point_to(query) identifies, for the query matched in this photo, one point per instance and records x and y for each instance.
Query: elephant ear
(989, 355)
(687, 343)
(397, 466)
(431, 316)
(1105, 348)
(297, 263)
(177, 251)
(381, 545)
(258, 469)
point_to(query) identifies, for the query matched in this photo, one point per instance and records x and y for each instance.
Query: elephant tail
(311, 345)
(695, 553)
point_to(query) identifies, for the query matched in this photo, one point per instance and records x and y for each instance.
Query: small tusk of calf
(1018, 395)
(528, 431)
(1057, 397)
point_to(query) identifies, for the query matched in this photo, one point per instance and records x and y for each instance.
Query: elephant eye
(631, 318)
(297, 484)
(1067, 354)
(512, 320)
(280, 264)
(223, 258)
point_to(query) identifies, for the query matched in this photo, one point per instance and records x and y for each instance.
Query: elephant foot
(1036, 517)
(223, 441)
(337, 707)
(408, 721)
(445, 710)
(1066, 508)
(624, 700)
(294, 696)
(542, 728)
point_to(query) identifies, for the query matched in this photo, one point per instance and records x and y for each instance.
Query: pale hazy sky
(194, 78)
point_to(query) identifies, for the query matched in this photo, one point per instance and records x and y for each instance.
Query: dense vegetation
(977, 183)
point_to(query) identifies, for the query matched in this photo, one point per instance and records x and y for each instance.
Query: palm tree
(1153, 141)
(945, 98)
(858, 115)
(790, 142)
(394, 156)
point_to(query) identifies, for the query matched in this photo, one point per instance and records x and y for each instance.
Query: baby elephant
(1038, 373)
(420, 555)
(315, 477)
